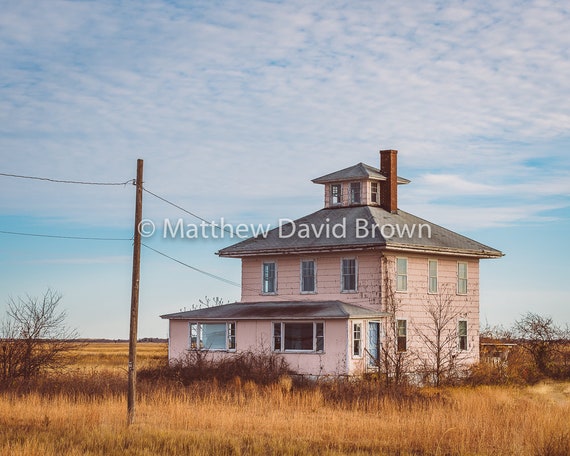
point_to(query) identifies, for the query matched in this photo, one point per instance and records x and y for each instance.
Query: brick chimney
(389, 187)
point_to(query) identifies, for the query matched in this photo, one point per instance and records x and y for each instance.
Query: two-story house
(336, 290)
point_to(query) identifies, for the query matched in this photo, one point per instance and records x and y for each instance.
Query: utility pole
(131, 399)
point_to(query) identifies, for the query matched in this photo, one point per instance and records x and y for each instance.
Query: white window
(402, 335)
(374, 192)
(355, 192)
(461, 278)
(462, 334)
(401, 274)
(357, 340)
(336, 194)
(308, 276)
(299, 336)
(432, 276)
(348, 274)
(269, 282)
(212, 336)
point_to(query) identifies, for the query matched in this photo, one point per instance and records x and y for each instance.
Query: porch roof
(280, 310)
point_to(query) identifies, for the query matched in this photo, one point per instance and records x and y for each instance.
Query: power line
(214, 276)
(77, 238)
(59, 181)
(209, 222)
(201, 271)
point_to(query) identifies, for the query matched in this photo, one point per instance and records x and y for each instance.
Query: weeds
(83, 411)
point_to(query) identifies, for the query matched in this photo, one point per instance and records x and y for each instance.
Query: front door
(374, 344)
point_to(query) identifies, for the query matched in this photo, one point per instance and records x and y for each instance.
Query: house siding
(328, 281)
(413, 302)
(370, 281)
(256, 336)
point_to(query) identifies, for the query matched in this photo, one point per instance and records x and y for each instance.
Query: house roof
(356, 172)
(399, 231)
(282, 310)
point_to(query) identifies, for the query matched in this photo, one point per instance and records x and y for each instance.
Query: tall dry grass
(242, 418)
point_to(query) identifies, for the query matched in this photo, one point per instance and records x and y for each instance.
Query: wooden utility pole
(131, 399)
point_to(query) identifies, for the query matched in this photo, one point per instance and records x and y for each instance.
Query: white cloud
(235, 106)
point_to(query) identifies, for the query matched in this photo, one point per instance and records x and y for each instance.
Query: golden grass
(115, 355)
(242, 418)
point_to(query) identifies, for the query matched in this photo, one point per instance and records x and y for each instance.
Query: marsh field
(83, 412)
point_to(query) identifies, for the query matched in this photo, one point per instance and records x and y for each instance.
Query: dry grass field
(84, 413)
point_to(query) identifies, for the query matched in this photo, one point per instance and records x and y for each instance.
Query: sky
(235, 106)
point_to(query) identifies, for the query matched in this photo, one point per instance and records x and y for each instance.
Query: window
(374, 343)
(374, 192)
(357, 340)
(212, 336)
(348, 279)
(401, 274)
(269, 278)
(462, 278)
(355, 192)
(432, 276)
(402, 335)
(336, 194)
(462, 334)
(308, 277)
(302, 336)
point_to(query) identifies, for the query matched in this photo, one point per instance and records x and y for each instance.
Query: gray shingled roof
(421, 235)
(356, 172)
(286, 310)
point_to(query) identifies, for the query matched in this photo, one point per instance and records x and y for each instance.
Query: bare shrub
(260, 367)
(34, 337)
(546, 343)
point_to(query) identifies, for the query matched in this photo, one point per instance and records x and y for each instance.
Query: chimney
(389, 187)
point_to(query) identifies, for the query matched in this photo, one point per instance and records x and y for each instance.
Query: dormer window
(355, 193)
(374, 197)
(336, 194)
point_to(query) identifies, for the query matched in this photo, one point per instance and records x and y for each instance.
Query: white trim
(396, 265)
(301, 276)
(199, 324)
(355, 275)
(466, 335)
(352, 339)
(282, 324)
(429, 260)
(466, 278)
(350, 201)
(331, 202)
(407, 334)
(268, 293)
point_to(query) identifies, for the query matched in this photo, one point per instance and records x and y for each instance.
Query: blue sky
(236, 106)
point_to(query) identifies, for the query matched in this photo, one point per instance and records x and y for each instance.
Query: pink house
(357, 286)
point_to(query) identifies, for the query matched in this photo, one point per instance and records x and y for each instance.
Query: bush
(262, 368)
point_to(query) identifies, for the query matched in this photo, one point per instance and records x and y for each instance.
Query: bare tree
(207, 302)
(440, 357)
(34, 337)
(392, 362)
(542, 339)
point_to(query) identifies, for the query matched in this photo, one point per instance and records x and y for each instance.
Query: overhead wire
(89, 238)
(209, 222)
(201, 271)
(60, 181)
(80, 238)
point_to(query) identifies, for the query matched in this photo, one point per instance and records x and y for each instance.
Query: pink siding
(376, 274)
(413, 302)
(256, 336)
(328, 279)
